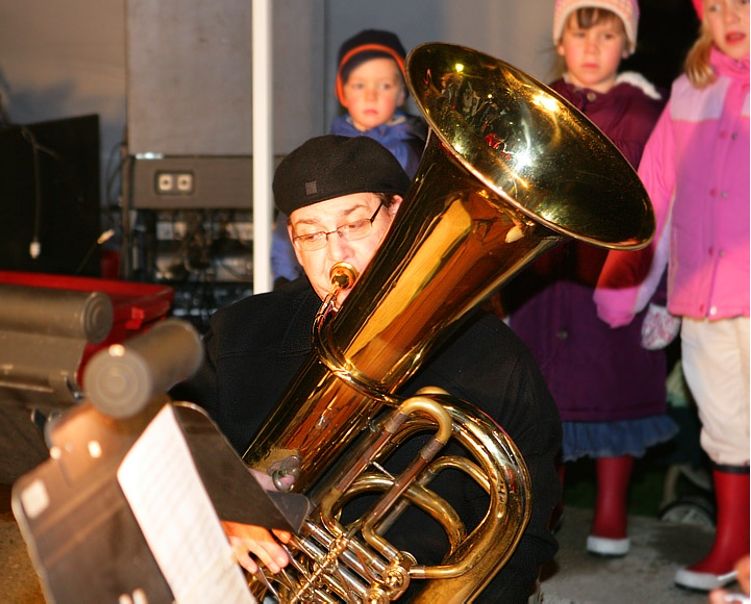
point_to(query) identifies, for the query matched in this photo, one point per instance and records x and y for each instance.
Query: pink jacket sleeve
(629, 279)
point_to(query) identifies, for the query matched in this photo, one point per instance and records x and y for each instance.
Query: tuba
(510, 169)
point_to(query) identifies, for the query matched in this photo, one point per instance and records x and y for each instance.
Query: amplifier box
(189, 182)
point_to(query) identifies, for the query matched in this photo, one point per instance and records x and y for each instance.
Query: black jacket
(255, 346)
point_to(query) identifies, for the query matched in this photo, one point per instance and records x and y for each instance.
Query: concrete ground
(18, 581)
(642, 577)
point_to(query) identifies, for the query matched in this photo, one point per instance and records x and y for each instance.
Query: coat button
(724, 194)
(713, 311)
(591, 96)
(562, 334)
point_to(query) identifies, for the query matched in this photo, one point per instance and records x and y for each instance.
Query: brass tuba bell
(510, 169)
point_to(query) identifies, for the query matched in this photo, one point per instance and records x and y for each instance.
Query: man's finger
(283, 536)
(244, 547)
(242, 556)
(271, 554)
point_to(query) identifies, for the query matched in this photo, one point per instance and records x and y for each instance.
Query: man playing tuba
(341, 196)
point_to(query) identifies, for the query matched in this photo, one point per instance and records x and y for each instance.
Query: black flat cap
(333, 166)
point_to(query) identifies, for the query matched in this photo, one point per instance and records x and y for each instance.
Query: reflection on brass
(509, 170)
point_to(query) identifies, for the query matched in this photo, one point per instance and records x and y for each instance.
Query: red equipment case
(135, 305)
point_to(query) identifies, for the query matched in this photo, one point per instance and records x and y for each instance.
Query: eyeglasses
(351, 231)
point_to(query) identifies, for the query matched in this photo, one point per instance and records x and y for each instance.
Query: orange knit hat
(367, 44)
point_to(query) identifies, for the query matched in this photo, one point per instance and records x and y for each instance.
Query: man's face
(327, 216)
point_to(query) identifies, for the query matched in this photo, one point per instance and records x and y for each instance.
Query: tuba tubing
(510, 169)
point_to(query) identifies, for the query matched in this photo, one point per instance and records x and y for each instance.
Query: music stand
(113, 513)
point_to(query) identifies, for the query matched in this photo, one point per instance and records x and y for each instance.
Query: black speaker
(49, 194)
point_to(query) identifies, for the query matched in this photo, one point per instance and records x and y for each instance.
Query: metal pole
(263, 151)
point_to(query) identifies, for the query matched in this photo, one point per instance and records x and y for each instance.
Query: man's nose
(337, 247)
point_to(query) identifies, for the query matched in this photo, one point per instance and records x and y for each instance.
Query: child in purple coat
(610, 391)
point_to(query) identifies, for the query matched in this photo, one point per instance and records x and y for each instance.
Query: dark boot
(608, 534)
(731, 541)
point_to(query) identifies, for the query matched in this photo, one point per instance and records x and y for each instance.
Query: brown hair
(697, 66)
(386, 198)
(589, 16)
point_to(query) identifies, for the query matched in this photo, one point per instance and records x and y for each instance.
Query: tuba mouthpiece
(343, 276)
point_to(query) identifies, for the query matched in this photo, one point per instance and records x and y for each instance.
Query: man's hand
(247, 539)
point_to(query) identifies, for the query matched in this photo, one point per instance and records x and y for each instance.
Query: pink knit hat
(699, 6)
(627, 10)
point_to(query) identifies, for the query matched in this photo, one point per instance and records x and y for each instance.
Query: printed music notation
(164, 490)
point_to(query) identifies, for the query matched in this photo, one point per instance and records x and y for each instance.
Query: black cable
(112, 172)
(4, 117)
(35, 246)
(126, 261)
(103, 238)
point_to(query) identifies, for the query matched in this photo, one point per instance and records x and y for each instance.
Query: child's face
(727, 21)
(592, 55)
(373, 92)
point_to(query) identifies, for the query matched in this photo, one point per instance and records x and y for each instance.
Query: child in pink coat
(696, 170)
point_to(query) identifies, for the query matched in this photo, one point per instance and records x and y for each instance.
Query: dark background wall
(173, 77)
(69, 58)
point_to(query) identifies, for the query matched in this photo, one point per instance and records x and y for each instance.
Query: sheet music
(170, 503)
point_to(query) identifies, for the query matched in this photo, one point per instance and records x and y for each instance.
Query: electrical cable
(35, 247)
(103, 238)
